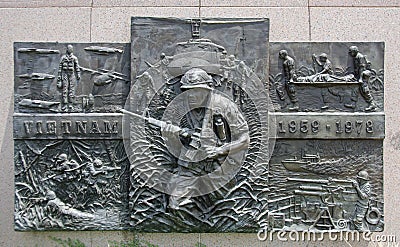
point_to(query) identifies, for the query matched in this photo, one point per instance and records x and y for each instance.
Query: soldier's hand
(59, 82)
(78, 77)
(185, 133)
(170, 131)
(213, 152)
(355, 183)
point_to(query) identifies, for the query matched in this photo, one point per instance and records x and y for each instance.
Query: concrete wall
(109, 21)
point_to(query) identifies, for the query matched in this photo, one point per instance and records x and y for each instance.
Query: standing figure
(69, 74)
(239, 94)
(144, 91)
(360, 66)
(165, 60)
(229, 68)
(289, 77)
(363, 189)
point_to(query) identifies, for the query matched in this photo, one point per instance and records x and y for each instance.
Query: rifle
(195, 136)
(49, 177)
(314, 58)
(153, 121)
(110, 169)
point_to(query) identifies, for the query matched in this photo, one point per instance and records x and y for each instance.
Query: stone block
(43, 3)
(286, 24)
(114, 24)
(29, 24)
(142, 3)
(372, 24)
(354, 3)
(254, 3)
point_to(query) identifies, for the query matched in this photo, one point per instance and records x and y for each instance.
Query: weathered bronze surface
(326, 172)
(219, 131)
(204, 166)
(70, 164)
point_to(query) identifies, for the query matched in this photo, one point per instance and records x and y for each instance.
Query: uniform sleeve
(76, 64)
(362, 61)
(236, 121)
(60, 65)
(328, 66)
(365, 191)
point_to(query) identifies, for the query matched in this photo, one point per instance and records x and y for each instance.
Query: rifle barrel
(305, 180)
(152, 121)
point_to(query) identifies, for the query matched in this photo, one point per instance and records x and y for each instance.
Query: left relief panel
(71, 169)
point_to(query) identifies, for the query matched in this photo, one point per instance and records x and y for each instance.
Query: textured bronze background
(82, 164)
(333, 137)
(70, 163)
(167, 54)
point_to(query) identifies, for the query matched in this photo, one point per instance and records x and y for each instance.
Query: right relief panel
(326, 172)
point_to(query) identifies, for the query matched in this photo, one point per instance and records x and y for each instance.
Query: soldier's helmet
(62, 157)
(363, 175)
(196, 78)
(146, 74)
(70, 49)
(323, 55)
(283, 53)
(353, 49)
(50, 195)
(97, 162)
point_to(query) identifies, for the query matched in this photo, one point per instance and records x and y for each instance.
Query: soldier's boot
(324, 107)
(71, 101)
(229, 84)
(371, 106)
(236, 97)
(350, 105)
(358, 223)
(295, 107)
(281, 95)
(64, 105)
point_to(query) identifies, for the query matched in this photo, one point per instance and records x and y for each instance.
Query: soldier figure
(324, 71)
(64, 164)
(363, 189)
(91, 172)
(144, 90)
(324, 64)
(57, 206)
(165, 60)
(243, 72)
(210, 117)
(229, 68)
(68, 75)
(361, 72)
(289, 77)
